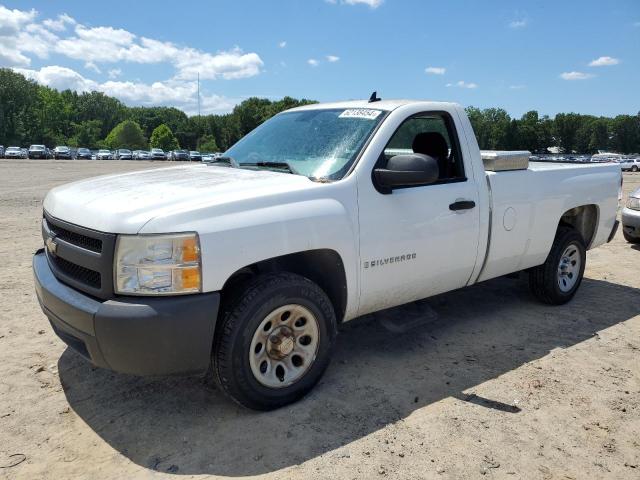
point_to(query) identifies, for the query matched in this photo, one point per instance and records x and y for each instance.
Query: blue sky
(553, 56)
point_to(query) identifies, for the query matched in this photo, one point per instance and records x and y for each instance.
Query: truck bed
(526, 207)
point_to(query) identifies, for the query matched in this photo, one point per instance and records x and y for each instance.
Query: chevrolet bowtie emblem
(51, 245)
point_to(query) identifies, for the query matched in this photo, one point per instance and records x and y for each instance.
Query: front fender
(240, 237)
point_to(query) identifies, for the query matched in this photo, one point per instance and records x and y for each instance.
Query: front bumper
(631, 222)
(136, 335)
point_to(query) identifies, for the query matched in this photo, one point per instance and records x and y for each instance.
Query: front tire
(557, 280)
(274, 342)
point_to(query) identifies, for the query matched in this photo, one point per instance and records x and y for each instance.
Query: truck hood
(124, 203)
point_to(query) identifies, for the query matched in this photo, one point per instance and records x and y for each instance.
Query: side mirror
(406, 171)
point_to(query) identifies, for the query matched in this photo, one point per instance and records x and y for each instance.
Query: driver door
(413, 244)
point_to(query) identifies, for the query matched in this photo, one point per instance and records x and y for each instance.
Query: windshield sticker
(365, 113)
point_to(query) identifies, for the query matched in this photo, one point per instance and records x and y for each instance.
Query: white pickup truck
(246, 267)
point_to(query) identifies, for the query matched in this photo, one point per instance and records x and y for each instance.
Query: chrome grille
(80, 257)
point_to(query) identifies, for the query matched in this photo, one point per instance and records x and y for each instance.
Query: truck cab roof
(386, 105)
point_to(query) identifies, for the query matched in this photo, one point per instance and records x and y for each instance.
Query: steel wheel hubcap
(569, 268)
(284, 346)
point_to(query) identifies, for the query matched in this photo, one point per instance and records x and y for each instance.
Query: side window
(431, 134)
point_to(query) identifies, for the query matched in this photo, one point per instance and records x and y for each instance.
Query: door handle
(462, 205)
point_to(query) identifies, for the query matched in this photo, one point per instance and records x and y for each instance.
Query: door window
(431, 134)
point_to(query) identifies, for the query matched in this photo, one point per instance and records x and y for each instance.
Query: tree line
(31, 113)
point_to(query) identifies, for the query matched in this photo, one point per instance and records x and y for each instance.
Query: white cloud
(175, 93)
(636, 24)
(282, 44)
(575, 76)
(518, 23)
(604, 62)
(114, 73)
(12, 21)
(60, 78)
(370, 3)
(313, 62)
(463, 84)
(21, 35)
(228, 65)
(435, 70)
(517, 87)
(10, 57)
(92, 66)
(332, 58)
(60, 24)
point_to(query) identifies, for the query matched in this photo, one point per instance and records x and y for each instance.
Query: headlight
(633, 203)
(158, 264)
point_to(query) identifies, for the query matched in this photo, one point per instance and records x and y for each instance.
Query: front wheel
(274, 342)
(634, 168)
(556, 281)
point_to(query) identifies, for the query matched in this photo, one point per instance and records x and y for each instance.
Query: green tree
(208, 143)
(86, 134)
(625, 133)
(19, 109)
(127, 134)
(599, 139)
(98, 106)
(162, 137)
(566, 130)
(32, 113)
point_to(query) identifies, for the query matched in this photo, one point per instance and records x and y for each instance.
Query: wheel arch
(322, 266)
(584, 219)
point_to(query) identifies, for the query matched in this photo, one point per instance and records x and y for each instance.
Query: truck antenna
(374, 97)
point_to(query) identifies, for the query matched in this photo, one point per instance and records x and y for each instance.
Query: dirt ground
(497, 386)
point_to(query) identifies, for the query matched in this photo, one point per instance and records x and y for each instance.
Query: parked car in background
(630, 164)
(141, 155)
(37, 151)
(13, 152)
(158, 154)
(195, 156)
(631, 218)
(208, 157)
(1, 151)
(104, 154)
(178, 155)
(83, 154)
(123, 154)
(62, 152)
(25, 152)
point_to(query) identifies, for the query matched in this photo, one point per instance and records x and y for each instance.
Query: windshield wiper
(278, 165)
(228, 160)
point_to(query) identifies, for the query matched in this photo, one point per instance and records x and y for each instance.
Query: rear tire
(556, 281)
(274, 341)
(634, 168)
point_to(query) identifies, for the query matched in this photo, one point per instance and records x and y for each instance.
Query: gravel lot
(498, 386)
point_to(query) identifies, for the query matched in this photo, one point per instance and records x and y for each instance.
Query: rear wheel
(634, 168)
(274, 342)
(556, 281)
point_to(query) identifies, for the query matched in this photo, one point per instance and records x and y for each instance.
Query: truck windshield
(320, 144)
